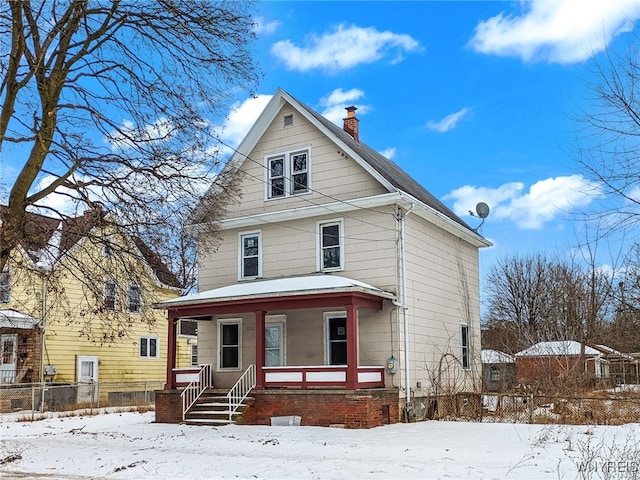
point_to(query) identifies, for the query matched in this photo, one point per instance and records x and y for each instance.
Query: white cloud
(262, 26)
(447, 123)
(241, 118)
(343, 48)
(560, 31)
(128, 135)
(545, 201)
(389, 152)
(335, 103)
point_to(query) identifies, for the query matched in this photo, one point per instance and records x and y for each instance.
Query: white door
(8, 358)
(87, 375)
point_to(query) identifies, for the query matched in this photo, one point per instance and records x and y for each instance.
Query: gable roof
(388, 169)
(46, 240)
(388, 173)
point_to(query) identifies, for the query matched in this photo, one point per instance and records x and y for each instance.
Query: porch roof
(10, 318)
(278, 288)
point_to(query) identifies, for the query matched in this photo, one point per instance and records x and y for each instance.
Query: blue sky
(477, 100)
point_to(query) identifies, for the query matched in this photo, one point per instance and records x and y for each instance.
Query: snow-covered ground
(131, 446)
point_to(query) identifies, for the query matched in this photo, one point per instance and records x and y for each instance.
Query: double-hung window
(134, 299)
(464, 346)
(330, 246)
(229, 343)
(250, 255)
(149, 347)
(5, 287)
(110, 292)
(288, 174)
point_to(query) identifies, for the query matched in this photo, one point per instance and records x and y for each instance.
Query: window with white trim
(110, 292)
(330, 246)
(134, 299)
(250, 255)
(288, 174)
(194, 355)
(5, 287)
(229, 343)
(149, 347)
(464, 346)
(108, 247)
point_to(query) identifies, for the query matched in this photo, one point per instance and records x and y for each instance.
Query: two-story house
(342, 291)
(89, 289)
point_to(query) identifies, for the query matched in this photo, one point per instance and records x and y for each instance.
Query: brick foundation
(353, 409)
(168, 406)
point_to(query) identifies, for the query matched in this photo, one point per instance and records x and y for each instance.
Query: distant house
(98, 328)
(342, 292)
(567, 364)
(498, 371)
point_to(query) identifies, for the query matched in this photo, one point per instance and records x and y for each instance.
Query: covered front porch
(314, 318)
(299, 334)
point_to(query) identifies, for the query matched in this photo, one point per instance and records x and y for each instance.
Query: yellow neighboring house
(90, 289)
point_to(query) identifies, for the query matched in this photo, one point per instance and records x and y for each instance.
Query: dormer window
(288, 174)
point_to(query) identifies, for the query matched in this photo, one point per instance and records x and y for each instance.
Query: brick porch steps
(212, 408)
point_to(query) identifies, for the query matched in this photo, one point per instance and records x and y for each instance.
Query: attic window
(288, 120)
(288, 173)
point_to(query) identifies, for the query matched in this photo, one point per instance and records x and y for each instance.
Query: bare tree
(110, 106)
(533, 299)
(609, 138)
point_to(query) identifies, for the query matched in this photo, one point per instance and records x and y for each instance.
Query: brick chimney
(351, 123)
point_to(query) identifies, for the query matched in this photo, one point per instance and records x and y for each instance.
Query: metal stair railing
(241, 389)
(192, 392)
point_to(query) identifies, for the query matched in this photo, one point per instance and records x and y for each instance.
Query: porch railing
(241, 389)
(192, 392)
(321, 376)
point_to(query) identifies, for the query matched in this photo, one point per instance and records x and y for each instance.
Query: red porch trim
(260, 320)
(322, 376)
(352, 347)
(171, 351)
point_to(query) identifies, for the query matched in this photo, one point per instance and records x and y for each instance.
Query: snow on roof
(495, 356)
(610, 352)
(563, 347)
(10, 318)
(279, 287)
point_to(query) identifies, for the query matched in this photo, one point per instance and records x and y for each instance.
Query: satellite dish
(482, 210)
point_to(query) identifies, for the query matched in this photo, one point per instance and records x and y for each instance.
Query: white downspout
(405, 312)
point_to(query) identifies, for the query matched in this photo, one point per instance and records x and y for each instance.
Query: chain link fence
(612, 409)
(56, 397)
